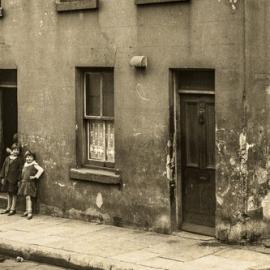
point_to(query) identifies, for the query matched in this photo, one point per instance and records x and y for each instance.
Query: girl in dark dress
(28, 186)
(10, 176)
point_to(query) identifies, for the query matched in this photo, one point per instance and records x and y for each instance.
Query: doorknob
(201, 115)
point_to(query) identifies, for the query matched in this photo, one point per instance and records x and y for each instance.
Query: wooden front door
(197, 124)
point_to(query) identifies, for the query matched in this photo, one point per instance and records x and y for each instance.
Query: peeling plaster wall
(251, 212)
(258, 102)
(258, 109)
(46, 47)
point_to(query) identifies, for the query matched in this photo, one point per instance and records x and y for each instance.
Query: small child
(10, 175)
(28, 187)
(15, 140)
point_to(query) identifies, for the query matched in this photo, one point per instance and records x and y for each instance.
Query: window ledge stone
(76, 5)
(95, 175)
(143, 2)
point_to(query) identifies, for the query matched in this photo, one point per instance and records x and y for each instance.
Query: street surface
(99, 246)
(11, 264)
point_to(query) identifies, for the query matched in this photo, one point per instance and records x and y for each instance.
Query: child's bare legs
(9, 201)
(29, 207)
(12, 200)
(13, 203)
(28, 204)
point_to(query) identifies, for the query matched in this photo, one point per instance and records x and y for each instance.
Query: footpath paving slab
(248, 255)
(83, 245)
(216, 262)
(11, 264)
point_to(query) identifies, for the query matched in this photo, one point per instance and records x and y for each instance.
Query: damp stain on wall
(241, 209)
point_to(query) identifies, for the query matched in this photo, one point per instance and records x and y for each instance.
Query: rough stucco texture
(247, 167)
(47, 46)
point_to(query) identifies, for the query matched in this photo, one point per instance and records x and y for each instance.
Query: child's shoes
(12, 212)
(5, 211)
(25, 214)
(29, 216)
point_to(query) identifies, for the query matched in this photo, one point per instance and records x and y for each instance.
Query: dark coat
(11, 172)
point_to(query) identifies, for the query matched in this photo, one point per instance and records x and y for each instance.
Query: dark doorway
(8, 109)
(196, 150)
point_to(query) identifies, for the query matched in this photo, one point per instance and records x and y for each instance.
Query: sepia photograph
(135, 134)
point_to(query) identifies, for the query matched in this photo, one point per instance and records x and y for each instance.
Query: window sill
(143, 2)
(76, 5)
(95, 175)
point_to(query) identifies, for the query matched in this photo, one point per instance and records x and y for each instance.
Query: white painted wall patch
(99, 200)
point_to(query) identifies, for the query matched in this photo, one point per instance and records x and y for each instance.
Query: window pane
(100, 140)
(196, 79)
(92, 94)
(110, 141)
(108, 96)
(96, 140)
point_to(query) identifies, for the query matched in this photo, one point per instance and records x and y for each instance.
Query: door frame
(175, 133)
(9, 85)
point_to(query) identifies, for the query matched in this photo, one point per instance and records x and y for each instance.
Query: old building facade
(149, 113)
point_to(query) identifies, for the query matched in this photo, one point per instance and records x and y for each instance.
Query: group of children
(19, 178)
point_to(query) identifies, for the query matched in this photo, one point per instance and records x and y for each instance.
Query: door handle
(203, 178)
(201, 113)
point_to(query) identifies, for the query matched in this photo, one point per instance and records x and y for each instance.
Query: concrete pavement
(82, 245)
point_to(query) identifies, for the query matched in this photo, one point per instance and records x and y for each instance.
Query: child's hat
(29, 153)
(16, 146)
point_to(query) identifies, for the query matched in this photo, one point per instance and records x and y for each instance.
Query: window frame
(82, 121)
(146, 2)
(76, 5)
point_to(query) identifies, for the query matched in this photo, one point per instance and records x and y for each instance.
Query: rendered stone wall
(47, 46)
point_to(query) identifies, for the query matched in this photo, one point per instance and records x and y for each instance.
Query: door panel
(197, 114)
(191, 131)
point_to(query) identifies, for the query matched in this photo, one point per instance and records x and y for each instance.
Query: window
(95, 146)
(143, 2)
(95, 118)
(99, 115)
